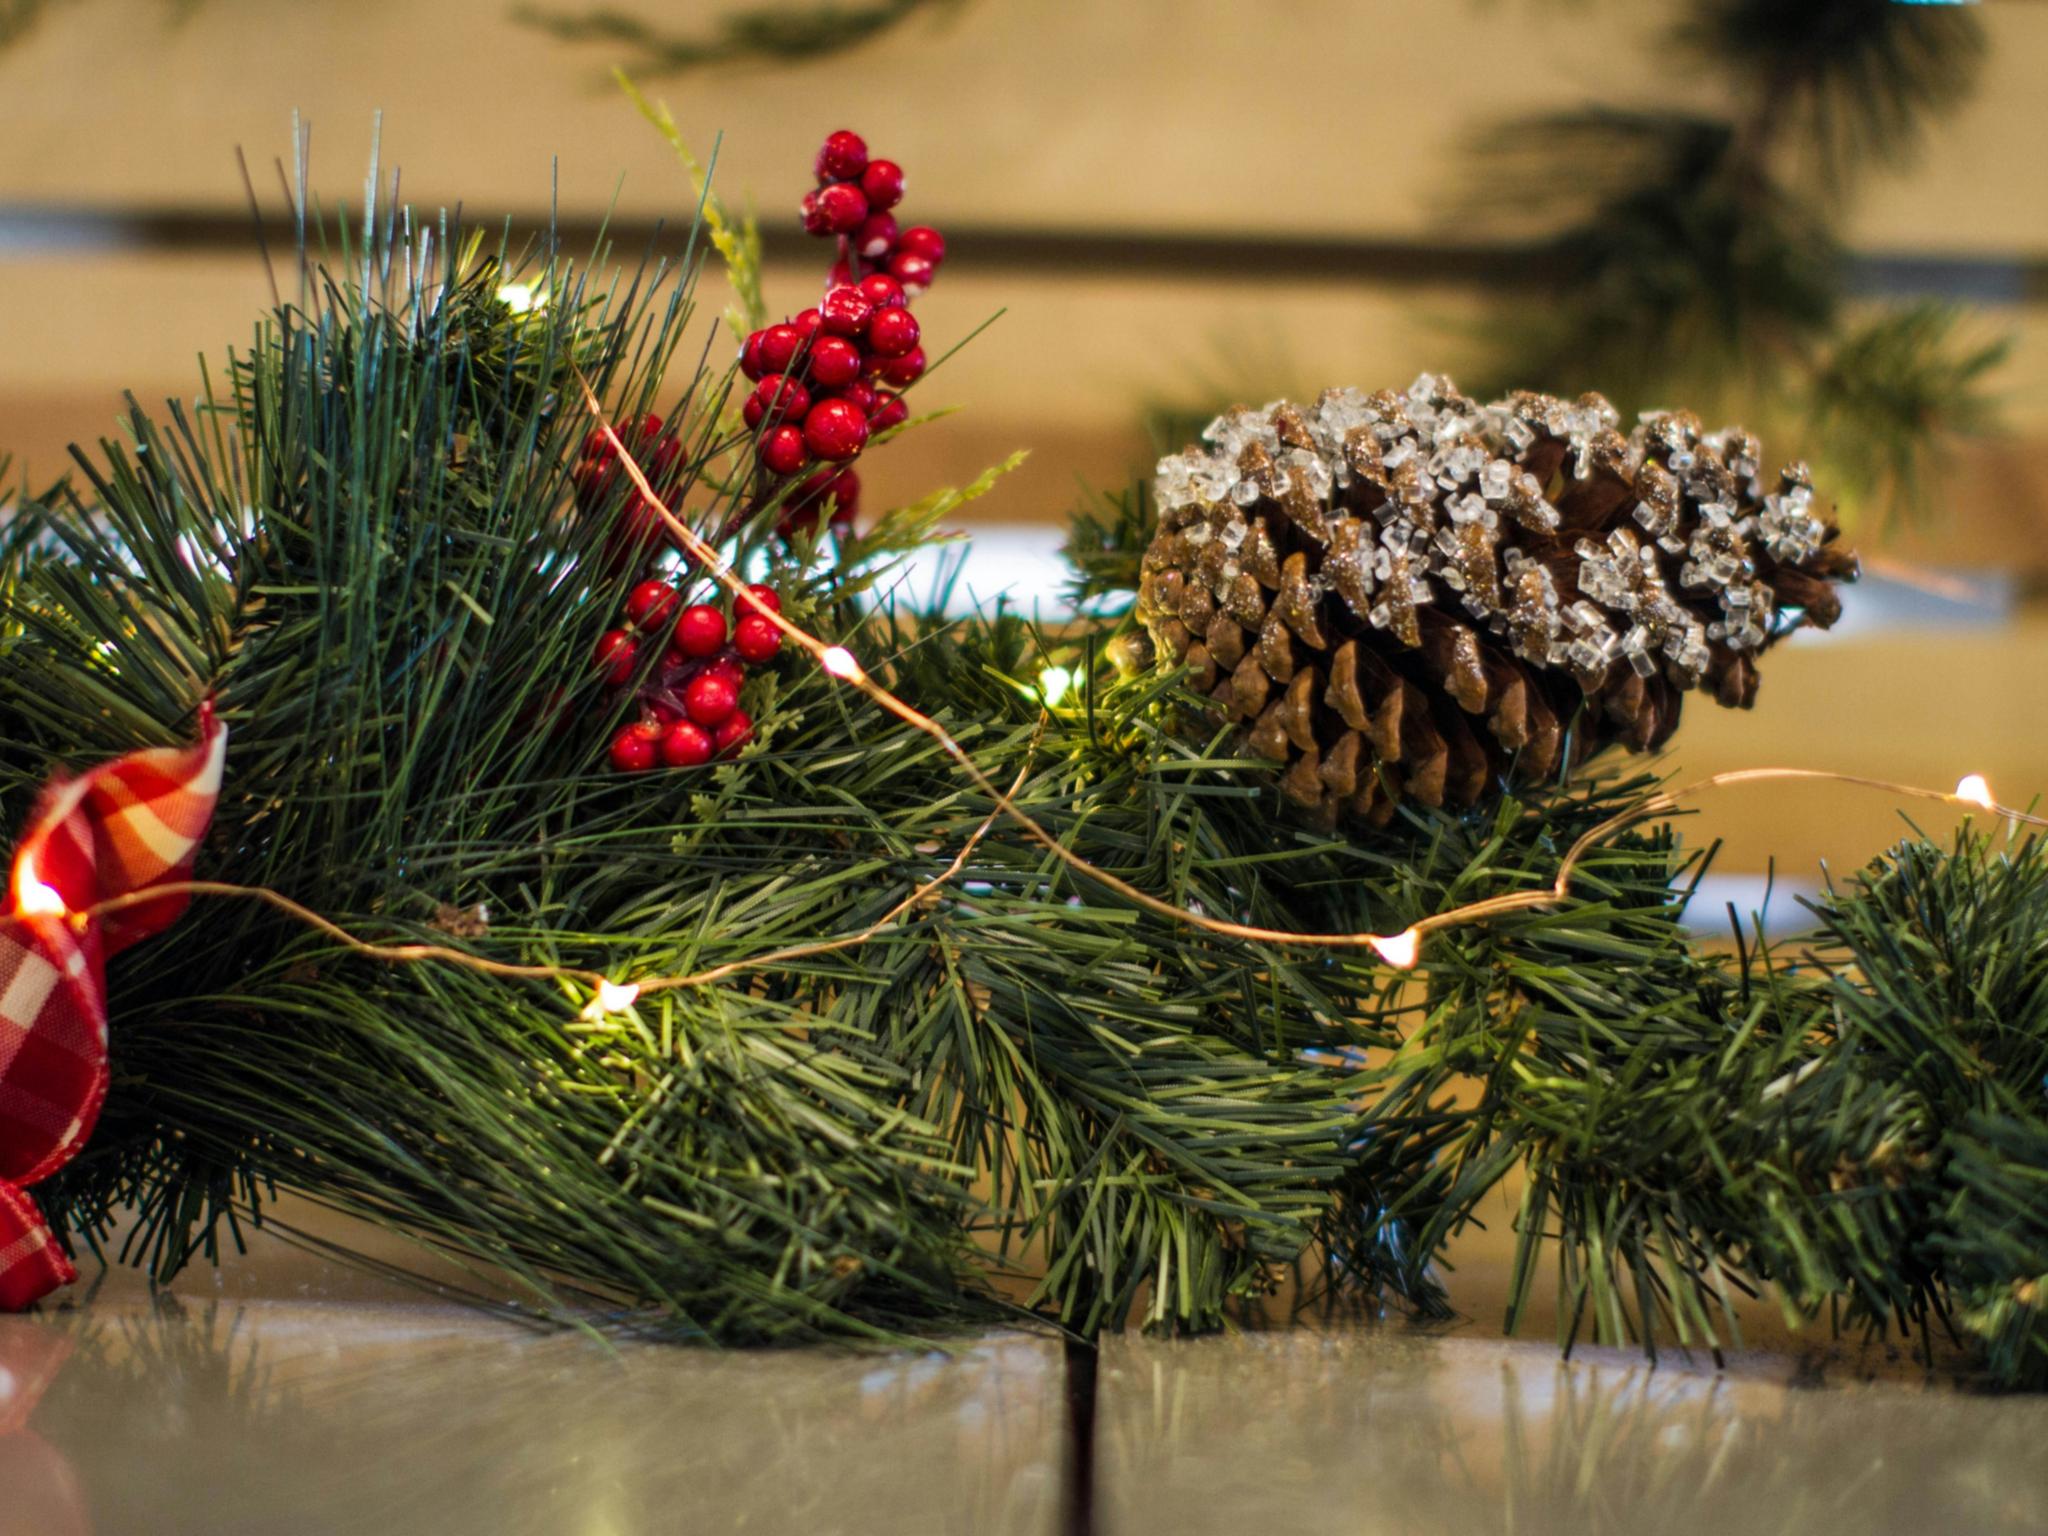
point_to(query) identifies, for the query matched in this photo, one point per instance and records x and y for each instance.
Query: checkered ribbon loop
(118, 830)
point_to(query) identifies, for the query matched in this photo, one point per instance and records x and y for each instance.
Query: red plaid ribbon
(125, 826)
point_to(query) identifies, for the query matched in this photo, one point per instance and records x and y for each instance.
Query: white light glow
(839, 661)
(1974, 788)
(32, 898)
(1401, 950)
(1054, 683)
(612, 997)
(520, 298)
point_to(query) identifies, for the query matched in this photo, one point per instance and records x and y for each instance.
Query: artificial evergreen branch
(1699, 250)
(1892, 397)
(1846, 80)
(362, 547)
(1859, 1128)
(1673, 262)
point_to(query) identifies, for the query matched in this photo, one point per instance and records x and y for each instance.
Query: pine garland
(359, 545)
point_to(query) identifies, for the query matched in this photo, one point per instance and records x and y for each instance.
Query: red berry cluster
(640, 529)
(690, 704)
(828, 378)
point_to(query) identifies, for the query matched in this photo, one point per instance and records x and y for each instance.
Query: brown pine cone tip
(1411, 594)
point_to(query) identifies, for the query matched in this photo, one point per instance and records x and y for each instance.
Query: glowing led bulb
(519, 298)
(612, 997)
(839, 661)
(1400, 950)
(1973, 788)
(32, 898)
(1053, 685)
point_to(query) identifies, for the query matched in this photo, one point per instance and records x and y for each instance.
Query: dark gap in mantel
(1217, 256)
(1077, 1485)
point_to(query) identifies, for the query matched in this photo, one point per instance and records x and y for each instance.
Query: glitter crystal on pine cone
(1412, 594)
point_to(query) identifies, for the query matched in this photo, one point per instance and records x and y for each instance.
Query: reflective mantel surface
(290, 1398)
(233, 1418)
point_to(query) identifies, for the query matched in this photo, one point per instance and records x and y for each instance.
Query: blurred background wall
(1170, 202)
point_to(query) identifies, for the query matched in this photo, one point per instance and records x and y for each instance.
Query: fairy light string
(607, 996)
(1400, 950)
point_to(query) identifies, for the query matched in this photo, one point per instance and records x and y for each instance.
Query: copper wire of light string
(1400, 950)
(414, 953)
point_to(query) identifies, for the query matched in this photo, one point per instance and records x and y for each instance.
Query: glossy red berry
(781, 450)
(892, 332)
(700, 631)
(658, 463)
(750, 356)
(756, 638)
(923, 240)
(779, 346)
(905, 370)
(593, 481)
(805, 508)
(763, 599)
(890, 411)
(815, 487)
(882, 290)
(737, 731)
(812, 211)
(597, 443)
(912, 271)
(710, 698)
(845, 494)
(729, 667)
(805, 324)
(882, 181)
(597, 471)
(640, 526)
(635, 747)
(860, 395)
(875, 237)
(845, 310)
(836, 430)
(779, 396)
(616, 656)
(651, 604)
(842, 209)
(835, 361)
(685, 744)
(843, 157)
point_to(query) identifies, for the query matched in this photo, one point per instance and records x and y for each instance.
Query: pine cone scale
(1407, 594)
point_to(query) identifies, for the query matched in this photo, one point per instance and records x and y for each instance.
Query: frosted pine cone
(1410, 594)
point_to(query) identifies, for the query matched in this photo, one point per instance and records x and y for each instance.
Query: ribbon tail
(32, 1264)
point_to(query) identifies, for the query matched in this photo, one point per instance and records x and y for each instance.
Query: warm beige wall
(1338, 116)
(1330, 115)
